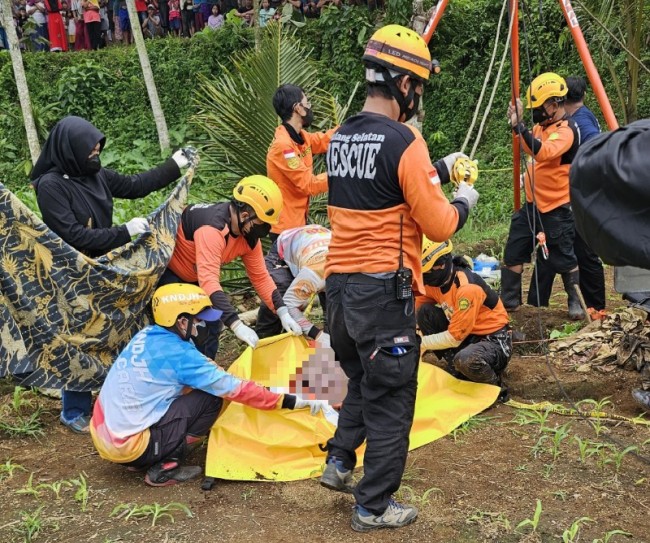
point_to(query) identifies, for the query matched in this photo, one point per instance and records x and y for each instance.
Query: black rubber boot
(170, 472)
(510, 289)
(571, 280)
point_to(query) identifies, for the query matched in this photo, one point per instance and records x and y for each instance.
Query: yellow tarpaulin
(248, 444)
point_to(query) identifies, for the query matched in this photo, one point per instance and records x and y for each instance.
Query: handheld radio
(404, 276)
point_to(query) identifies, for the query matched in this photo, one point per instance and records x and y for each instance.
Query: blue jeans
(75, 404)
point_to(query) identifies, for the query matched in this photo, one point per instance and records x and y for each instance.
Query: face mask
(93, 165)
(257, 232)
(540, 115)
(439, 278)
(308, 118)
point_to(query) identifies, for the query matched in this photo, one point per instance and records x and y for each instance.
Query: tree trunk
(21, 82)
(158, 114)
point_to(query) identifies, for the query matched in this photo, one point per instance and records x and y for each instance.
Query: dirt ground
(476, 485)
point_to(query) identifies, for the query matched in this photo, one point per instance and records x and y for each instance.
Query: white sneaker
(396, 515)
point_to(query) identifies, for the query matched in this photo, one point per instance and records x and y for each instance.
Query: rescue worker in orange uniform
(212, 235)
(552, 145)
(290, 159)
(384, 192)
(461, 318)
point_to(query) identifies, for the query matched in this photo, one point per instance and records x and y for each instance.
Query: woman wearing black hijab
(75, 196)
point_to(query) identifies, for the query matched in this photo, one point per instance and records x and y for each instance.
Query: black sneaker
(170, 473)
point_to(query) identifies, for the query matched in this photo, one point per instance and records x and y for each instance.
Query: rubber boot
(510, 289)
(571, 280)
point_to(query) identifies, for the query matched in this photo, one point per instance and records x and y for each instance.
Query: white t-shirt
(38, 16)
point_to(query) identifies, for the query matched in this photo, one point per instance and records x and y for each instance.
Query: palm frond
(236, 111)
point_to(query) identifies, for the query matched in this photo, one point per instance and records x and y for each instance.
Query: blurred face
(265, 4)
(215, 10)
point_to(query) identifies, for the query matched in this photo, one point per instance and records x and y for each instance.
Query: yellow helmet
(432, 251)
(170, 301)
(401, 49)
(543, 87)
(262, 194)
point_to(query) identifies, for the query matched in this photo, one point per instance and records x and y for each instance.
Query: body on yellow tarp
(247, 444)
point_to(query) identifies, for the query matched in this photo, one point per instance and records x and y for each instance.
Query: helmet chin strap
(402, 101)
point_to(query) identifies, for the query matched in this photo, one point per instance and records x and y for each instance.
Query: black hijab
(67, 148)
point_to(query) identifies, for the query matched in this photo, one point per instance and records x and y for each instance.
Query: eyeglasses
(306, 106)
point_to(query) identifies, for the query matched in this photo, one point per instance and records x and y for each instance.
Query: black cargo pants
(373, 335)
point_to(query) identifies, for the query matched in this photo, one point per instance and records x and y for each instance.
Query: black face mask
(308, 118)
(93, 165)
(439, 278)
(540, 115)
(259, 231)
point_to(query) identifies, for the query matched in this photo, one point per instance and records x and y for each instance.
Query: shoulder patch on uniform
(554, 136)
(292, 160)
(464, 304)
(303, 289)
(433, 177)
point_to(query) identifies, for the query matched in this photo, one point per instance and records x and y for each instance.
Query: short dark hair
(285, 98)
(378, 90)
(577, 86)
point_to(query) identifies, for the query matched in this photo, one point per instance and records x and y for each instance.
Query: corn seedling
(588, 405)
(617, 457)
(7, 469)
(412, 472)
(557, 436)
(155, 511)
(532, 522)
(25, 426)
(470, 425)
(609, 535)
(487, 517)
(82, 492)
(522, 467)
(55, 487)
(587, 448)
(247, 494)
(604, 456)
(407, 493)
(524, 417)
(29, 488)
(570, 535)
(547, 470)
(561, 494)
(30, 524)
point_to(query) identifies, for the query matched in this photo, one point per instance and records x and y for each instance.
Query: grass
(30, 426)
(488, 517)
(30, 525)
(82, 493)
(7, 469)
(154, 511)
(470, 425)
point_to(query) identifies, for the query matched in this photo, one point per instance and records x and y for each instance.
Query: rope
(571, 412)
(486, 79)
(494, 88)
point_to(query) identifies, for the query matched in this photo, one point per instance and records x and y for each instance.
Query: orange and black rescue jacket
(470, 305)
(204, 244)
(378, 171)
(553, 148)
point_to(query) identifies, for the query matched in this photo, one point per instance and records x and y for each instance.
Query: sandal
(80, 425)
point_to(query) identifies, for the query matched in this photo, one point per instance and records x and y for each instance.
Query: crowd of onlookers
(71, 25)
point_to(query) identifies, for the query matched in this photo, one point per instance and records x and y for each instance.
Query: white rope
(494, 88)
(486, 79)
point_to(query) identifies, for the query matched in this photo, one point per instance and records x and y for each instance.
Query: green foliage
(154, 511)
(30, 525)
(570, 535)
(7, 469)
(568, 329)
(77, 86)
(532, 522)
(82, 492)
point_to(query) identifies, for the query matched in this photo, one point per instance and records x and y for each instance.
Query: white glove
(451, 159)
(137, 226)
(181, 159)
(323, 340)
(288, 322)
(315, 406)
(467, 193)
(244, 333)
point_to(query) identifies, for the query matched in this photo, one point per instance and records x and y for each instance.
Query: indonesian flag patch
(292, 160)
(433, 177)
